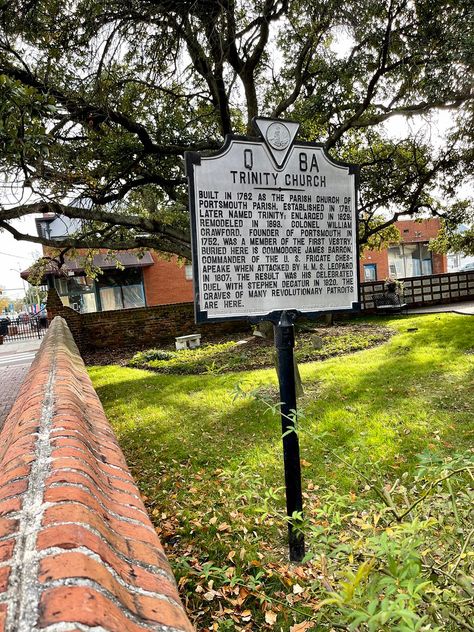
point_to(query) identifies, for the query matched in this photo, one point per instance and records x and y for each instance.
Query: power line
(7, 254)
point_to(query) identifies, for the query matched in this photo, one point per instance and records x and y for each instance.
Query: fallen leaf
(246, 615)
(243, 593)
(270, 617)
(223, 527)
(302, 627)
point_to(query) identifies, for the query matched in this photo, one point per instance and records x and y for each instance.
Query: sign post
(274, 236)
(284, 344)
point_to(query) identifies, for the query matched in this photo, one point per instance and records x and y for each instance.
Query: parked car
(467, 267)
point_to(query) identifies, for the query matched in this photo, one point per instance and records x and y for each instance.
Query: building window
(121, 289)
(188, 272)
(410, 260)
(115, 289)
(370, 272)
(77, 292)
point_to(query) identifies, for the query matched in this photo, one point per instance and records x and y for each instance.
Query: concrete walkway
(15, 360)
(465, 307)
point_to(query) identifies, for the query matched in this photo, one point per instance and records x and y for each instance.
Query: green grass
(206, 461)
(383, 404)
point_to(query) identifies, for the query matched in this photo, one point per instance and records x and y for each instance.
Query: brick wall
(165, 282)
(135, 327)
(412, 231)
(77, 549)
(440, 263)
(426, 290)
(377, 257)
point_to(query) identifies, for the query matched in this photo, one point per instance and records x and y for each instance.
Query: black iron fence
(23, 327)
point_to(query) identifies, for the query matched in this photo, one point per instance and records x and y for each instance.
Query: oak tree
(99, 100)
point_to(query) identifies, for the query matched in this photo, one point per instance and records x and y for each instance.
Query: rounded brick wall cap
(76, 545)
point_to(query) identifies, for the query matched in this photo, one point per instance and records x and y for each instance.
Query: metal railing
(24, 327)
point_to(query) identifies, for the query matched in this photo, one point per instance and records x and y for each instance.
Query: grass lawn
(210, 467)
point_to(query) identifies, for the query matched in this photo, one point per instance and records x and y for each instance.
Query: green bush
(143, 357)
(230, 356)
(203, 359)
(404, 564)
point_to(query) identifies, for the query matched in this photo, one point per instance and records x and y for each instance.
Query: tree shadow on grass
(379, 405)
(185, 417)
(384, 405)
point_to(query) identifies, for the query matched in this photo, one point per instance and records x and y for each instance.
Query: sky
(15, 256)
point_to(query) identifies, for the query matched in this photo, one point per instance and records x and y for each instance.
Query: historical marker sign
(274, 232)
(274, 227)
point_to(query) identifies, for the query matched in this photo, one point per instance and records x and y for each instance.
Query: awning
(102, 261)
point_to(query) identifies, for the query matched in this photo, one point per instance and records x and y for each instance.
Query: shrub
(230, 356)
(205, 359)
(143, 357)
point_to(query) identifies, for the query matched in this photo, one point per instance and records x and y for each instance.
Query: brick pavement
(11, 379)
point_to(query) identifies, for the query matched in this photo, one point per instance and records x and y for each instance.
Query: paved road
(15, 360)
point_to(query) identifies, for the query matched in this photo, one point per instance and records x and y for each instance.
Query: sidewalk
(15, 360)
(465, 307)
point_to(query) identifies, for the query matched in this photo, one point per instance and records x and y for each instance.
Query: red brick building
(410, 258)
(167, 281)
(139, 281)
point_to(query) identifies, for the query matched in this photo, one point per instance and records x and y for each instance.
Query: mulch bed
(121, 356)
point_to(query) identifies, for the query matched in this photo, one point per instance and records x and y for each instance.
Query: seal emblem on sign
(278, 136)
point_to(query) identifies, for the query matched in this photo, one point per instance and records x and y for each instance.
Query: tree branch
(151, 231)
(381, 69)
(156, 242)
(83, 112)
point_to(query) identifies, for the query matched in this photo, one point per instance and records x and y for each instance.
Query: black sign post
(284, 344)
(274, 235)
